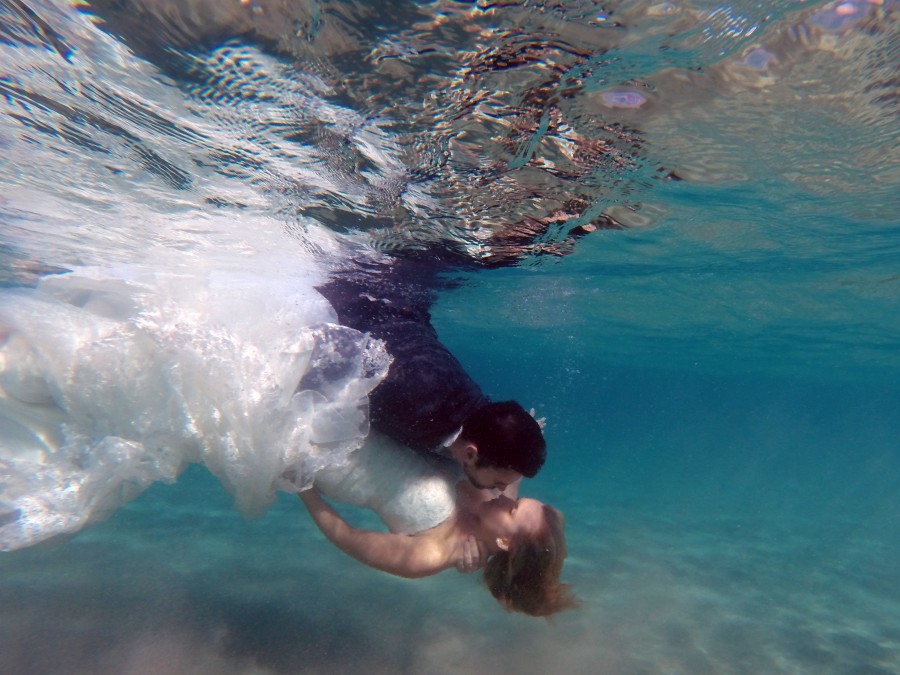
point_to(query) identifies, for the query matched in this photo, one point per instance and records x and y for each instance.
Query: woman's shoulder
(436, 549)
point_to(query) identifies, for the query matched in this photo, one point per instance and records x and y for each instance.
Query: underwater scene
(669, 230)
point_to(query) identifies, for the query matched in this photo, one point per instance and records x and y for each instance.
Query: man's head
(500, 443)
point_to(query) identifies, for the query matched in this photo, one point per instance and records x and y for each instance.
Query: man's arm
(398, 554)
(473, 557)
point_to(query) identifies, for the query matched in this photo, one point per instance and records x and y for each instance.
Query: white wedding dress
(111, 379)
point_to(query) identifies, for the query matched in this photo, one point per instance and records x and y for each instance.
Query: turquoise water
(719, 373)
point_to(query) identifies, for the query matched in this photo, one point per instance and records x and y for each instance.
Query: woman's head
(524, 574)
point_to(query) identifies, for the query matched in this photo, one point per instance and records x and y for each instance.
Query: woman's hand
(320, 510)
(310, 496)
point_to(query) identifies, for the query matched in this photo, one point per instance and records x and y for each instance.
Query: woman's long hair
(526, 577)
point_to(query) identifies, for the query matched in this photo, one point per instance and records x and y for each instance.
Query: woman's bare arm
(398, 554)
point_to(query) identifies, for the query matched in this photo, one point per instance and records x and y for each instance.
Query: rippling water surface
(740, 162)
(674, 226)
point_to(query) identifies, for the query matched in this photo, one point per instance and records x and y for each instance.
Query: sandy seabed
(179, 583)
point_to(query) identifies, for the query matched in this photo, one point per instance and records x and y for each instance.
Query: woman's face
(506, 517)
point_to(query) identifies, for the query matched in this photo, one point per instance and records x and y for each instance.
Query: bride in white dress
(112, 379)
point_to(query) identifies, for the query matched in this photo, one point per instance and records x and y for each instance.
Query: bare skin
(493, 522)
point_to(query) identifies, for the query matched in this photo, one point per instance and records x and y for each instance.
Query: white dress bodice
(410, 491)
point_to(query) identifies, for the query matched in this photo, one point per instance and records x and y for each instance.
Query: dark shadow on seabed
(178, 583)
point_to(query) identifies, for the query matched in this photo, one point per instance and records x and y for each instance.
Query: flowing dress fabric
(111, 379)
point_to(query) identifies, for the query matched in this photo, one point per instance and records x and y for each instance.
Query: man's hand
(474, 555)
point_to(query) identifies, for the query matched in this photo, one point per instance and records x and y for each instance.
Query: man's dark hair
(507, 437)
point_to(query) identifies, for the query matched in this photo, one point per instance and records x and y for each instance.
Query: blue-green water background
(716, 523)
(720, 382)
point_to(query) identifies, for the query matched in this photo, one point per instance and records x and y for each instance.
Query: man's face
(490, 477)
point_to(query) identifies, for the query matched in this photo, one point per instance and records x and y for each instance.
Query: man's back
(427, 394)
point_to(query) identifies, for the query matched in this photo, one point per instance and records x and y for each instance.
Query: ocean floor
(179, 583)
